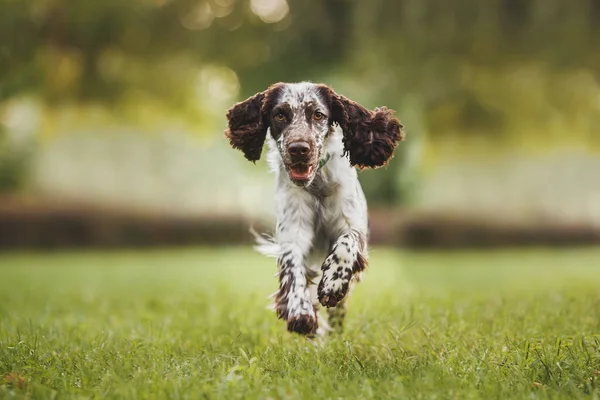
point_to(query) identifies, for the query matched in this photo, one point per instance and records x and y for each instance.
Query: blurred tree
(494, 69)
(15, 161)
(65, 49)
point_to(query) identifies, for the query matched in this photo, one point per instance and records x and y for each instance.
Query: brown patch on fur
(303, 324)
(332, 299)
(281, 298)
(360, 264)
(248, 122)
(370, 137)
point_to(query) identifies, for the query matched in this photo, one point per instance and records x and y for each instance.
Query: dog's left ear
(248, 122)
(370, 137)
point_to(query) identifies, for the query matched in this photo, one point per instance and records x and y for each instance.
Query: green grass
(193, 323)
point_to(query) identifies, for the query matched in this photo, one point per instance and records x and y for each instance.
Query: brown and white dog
(315, 138)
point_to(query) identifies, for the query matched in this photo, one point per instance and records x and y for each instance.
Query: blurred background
(112, 115)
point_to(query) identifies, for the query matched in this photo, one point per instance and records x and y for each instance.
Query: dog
(316, 138)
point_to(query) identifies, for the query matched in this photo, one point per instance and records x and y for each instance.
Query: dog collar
(323, 161)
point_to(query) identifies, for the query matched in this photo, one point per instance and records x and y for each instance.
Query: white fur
(320, 242)
(337, 211)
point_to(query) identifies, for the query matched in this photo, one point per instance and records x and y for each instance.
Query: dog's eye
(280, 116)
(317, 116)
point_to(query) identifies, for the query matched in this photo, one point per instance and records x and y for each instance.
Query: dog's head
(299, 116)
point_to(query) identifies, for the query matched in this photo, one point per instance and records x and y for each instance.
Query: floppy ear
(248, 122)
(370, 137)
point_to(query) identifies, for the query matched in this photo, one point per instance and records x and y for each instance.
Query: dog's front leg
(295, 234)
(345, 261)
(292, 301)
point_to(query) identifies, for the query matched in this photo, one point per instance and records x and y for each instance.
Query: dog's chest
(327, 207)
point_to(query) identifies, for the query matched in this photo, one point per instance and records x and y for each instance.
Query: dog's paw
(304, 324)
(337, 272)
(332, 292)
(300, 314)
(334, 284)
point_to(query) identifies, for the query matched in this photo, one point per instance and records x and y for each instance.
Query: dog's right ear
(248, 122)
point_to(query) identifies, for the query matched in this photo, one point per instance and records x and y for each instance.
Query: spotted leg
(295, 232)
(292, 300)
(345, 262)
(336, 316)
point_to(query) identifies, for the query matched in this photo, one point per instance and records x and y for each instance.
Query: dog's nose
(298, 149)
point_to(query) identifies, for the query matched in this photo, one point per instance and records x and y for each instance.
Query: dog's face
(299, 124)
(299, 117)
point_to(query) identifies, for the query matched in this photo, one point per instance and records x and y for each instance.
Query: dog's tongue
(300, 173)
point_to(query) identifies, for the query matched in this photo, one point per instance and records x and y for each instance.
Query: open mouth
(301, 172)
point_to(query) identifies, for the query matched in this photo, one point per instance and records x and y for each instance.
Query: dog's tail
(265, 244)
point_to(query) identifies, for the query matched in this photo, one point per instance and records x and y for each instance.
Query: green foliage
(457, 57)
(99, 50)
(513, 74)
(192, 324)
(15, 161)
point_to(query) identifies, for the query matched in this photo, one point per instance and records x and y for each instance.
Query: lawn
(193, 323)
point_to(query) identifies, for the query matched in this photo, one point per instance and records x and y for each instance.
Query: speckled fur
(326, 216)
